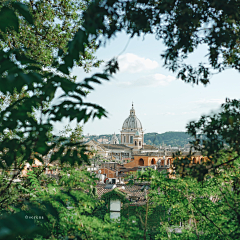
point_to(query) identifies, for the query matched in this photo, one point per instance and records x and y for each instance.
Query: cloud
(132, 63)
(153, 80)
(206, 103)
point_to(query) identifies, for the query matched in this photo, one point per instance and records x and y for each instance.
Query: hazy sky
(162, 102)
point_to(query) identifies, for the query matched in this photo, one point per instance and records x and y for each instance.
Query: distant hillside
(175, 139)
(101, 138)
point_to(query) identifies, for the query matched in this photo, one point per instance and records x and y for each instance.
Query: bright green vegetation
(204, 197)
(55, 23)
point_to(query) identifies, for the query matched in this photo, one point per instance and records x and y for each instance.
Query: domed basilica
(132, 133)
(131, 141)
(132, 153)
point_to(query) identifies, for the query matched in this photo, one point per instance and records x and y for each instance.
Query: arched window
(131, 139)
(194, 160)
(135, 143)
(153, 161)
(141, 162)
(124, 139)
(139, 143)
(169, 161)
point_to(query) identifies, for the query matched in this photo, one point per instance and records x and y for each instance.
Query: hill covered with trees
(175, 139)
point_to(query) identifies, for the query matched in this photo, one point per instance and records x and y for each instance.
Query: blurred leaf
(12, 20)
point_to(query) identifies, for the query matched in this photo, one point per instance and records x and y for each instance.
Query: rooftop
(115, 146)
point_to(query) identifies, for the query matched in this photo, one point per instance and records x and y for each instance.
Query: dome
(132, 122)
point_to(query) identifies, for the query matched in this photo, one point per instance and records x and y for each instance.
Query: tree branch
(203, 214)
(229, 161)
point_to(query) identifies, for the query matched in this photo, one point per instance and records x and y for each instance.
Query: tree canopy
(183, 26)
(55, 23)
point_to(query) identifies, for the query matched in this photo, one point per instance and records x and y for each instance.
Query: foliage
(74, 135)
(49, 27)
(207, 209)
(114, 194)
(175, 139)
(30, 138)
(216, 136)
(46, 28)
(213, 23)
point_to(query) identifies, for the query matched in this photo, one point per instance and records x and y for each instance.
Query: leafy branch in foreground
(216, 136)
(30, 138)
(182, 25)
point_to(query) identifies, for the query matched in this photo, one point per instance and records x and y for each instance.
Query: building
(132, 134)
(133, 148)
(114, 139)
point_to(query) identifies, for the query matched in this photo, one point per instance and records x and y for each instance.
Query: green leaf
(11, 22)
(24, 11)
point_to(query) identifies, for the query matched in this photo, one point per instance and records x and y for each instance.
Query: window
(141, 162)
(115, 208)
(135, 143)
(139, 143)
(124, 139)
(131, 139)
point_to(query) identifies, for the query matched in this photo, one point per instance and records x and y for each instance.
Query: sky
(162, 102)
